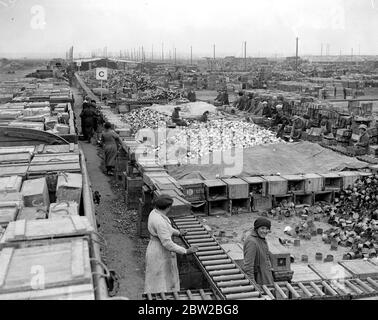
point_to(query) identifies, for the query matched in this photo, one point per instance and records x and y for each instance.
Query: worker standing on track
(257, 262)
(110, 142)
(88, 120)
(161, 263)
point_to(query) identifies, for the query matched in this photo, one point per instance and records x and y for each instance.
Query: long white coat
(161, 263)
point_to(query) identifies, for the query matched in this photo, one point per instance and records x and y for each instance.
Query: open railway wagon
(49, 244)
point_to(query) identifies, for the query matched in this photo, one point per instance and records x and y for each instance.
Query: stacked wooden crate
(194, 192)
(238, 195)
(278, 189)
(260, 201)
(297, 186)
(217, 197)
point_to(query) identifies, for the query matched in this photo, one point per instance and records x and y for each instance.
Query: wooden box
(13, 170)
(200, 209)
(302, 273)
(303, 199)
(193, 190)
(276, 185)
(69, 187)
(332, 181)
(28, 230)
(330, 271)
(15, 158)
(360, 268)
(278, 199)
(38, 169)
(215, 190)
(313, 182)
(35, 193)
(324, 196)
(57, 157)
(8, 214)
(55, 149)
(295, 183)
(148, 176)
(218, 207)
(257, 186)
(13, 199)
(239, 206)
(262, 203)
(62, 264)
(76, 292)
(10, 184)
(34, 213)
(165, 183)
(349, 178)
(237, 188)
(63, 209)
(280, 257)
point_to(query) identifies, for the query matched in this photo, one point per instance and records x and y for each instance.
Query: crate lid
(191, 182)
(234, 250)
(312, 176)
(303, 273)
(330, 271)
(274, 178)
(360, 267)
(252, 180)
(214, 183)
(293, 177)
(235, 181)
(331, 175)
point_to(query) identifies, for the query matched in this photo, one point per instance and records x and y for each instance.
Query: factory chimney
(296, 55)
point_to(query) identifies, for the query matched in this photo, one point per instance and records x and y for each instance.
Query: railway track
(183, 295)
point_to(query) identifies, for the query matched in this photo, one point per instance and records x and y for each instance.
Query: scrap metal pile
(144, 118)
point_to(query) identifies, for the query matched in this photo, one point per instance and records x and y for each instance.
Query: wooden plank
(5, 258)
(317, 289)
(330, 271)
(292, 290)
(360, 268)
(305, 290)
(77, 259)
(280, 291)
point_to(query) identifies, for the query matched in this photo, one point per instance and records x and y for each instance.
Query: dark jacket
(204, 118)
(257, 263)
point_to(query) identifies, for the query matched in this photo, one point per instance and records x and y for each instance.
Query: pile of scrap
(144, 118)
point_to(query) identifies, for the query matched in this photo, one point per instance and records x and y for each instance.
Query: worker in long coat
(88, 121)
(110, 142)
(257, 258)
(161, 263)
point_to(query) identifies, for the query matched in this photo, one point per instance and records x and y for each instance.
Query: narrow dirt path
(124, 252)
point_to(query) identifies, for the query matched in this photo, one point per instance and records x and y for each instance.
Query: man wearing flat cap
(161, 263)
(257, 263)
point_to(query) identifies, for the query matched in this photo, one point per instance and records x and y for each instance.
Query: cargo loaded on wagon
(49, 242)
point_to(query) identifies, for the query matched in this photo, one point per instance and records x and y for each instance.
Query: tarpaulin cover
(294, 158)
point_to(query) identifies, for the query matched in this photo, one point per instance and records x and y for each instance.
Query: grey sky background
(49, 27)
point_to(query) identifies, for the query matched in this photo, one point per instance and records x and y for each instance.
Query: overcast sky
(269, 26)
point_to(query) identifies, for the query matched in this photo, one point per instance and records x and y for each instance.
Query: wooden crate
(43, 169)
(149, 176)
(194, 190)
(34, 213)
(165, 183)
(278, 199)
(324, 196)
(64, 263)
(295, 183)
(13, 170)
(69, 187)
(215, 190)
(313, 182)
(304, 199)
(237, 206)
(180, 206)
(332, 181)
(134, 184)
(330, 271)
(276, 185)
(302, 273)
(10, 184)
(257, 186)
(28, 230)
(262, 203)
(280, 257)
(360, 268)
(237, 188)
(13, 158)
(200, 209)
(218, 207)
(63, 210)
(55, 157)
(77, 292)
(35, 193)
(7, 214)
(349, 177)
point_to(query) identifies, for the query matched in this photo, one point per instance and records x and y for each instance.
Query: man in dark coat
(281, 121)
(257, 258)
(205, 116)
(364, 140)
(88, 122)
(192, 96)
(176, 118)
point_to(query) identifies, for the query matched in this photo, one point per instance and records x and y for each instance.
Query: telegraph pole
(296, 55)
(191, 55)
(175, 57)
(162, 51)
(245, 56)
(152, 53)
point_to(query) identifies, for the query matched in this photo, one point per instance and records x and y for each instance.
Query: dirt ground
(124, 252)
(235, 228)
